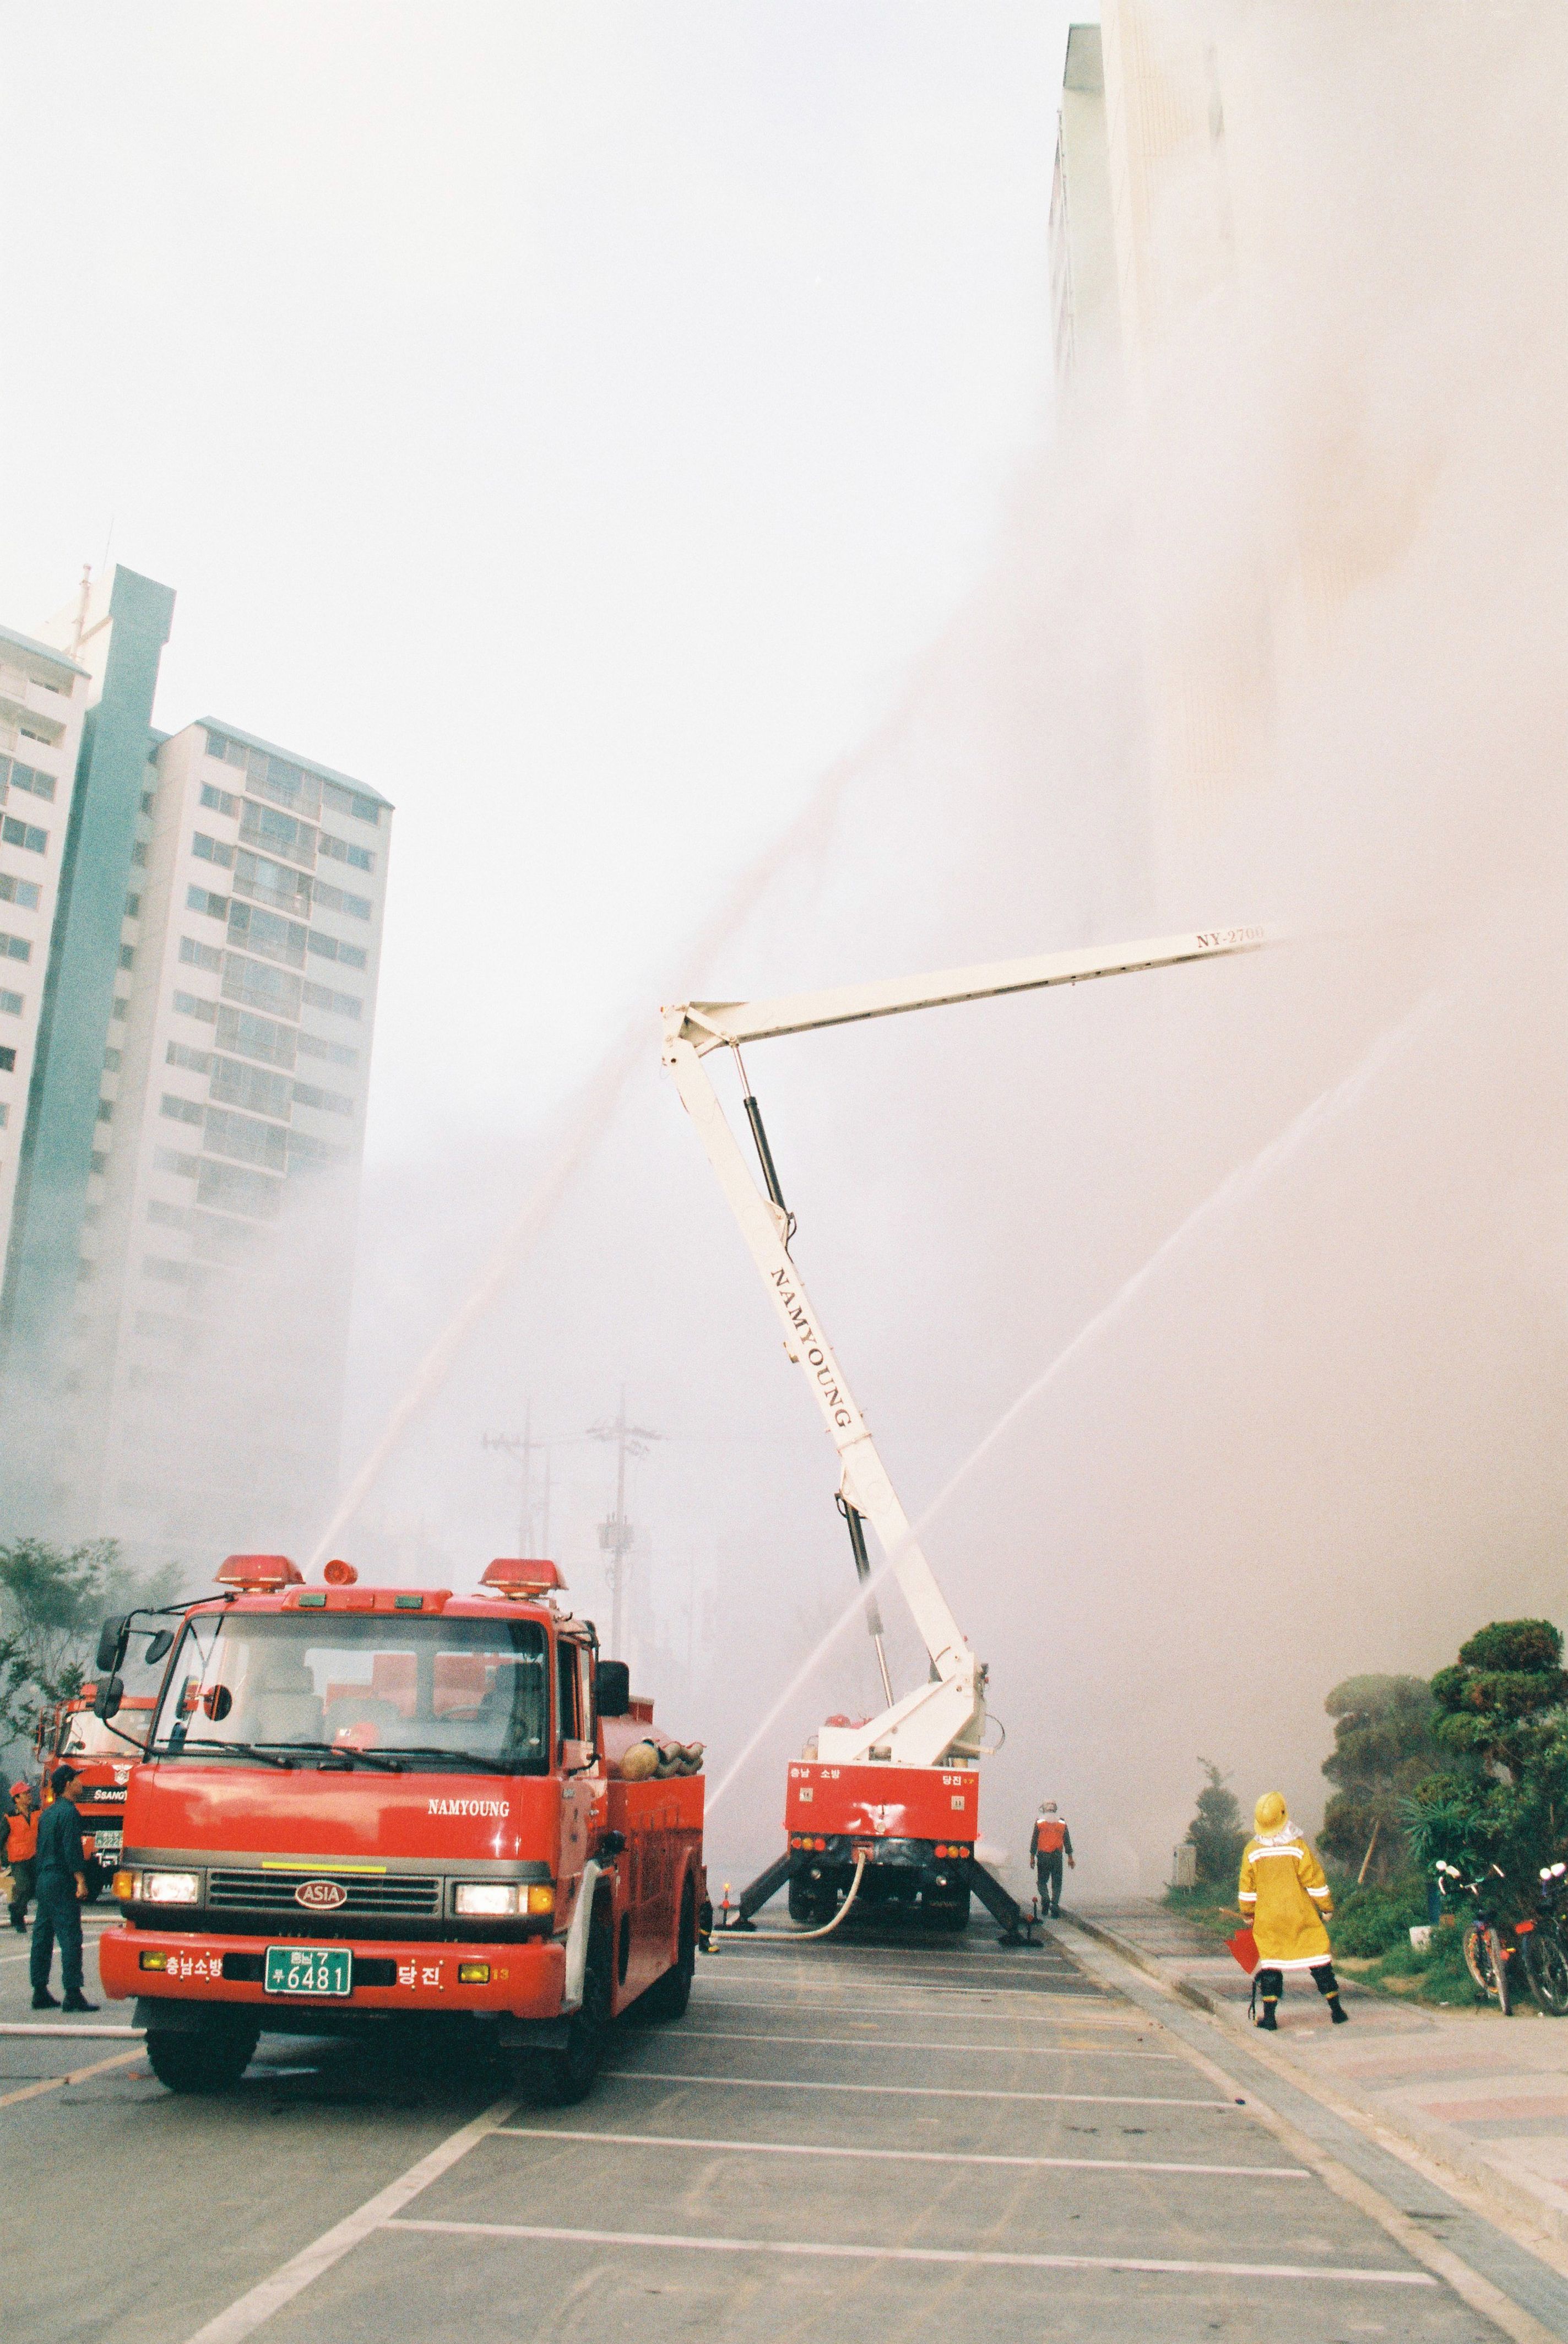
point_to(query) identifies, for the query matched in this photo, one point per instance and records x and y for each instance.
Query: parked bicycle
(1542, 1943)
(1488, 1943)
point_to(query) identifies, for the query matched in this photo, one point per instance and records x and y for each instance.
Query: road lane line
(257, 2306)
(970, 2255)
(898, 2043)
(1081, 2022)
(915, 2091)
(902, 2156)
(64, 2027)
(77, 2075)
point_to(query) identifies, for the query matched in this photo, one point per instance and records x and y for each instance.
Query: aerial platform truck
(371, 1808)
(885, 1812)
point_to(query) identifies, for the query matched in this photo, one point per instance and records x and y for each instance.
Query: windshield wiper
(497, 1765)
(346, 1750)
(224, 1749)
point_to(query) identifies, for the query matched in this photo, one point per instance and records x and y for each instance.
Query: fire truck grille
(406, 1898)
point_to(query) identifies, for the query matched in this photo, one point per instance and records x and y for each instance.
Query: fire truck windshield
(432, 1690)
(86, 1736)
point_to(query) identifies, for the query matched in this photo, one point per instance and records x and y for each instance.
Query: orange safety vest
(22, 1843)
(1049, 1834)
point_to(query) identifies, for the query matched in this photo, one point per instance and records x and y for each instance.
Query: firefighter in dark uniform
(60, 1882)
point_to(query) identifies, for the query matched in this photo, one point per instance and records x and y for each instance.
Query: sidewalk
(1485, 2097)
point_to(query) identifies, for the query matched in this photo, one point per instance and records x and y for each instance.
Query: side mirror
(612, 1688)
(112, 1643)
(159, 1646)
(110, 1695)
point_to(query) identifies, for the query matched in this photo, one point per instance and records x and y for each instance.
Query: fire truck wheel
(811, 1902)
(667, 1997)
(557, 2078)
(211, 2062)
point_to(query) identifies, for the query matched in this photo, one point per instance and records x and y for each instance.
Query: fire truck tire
(667, 1997)
(948, 1908)
(811, 1902)
(213, 2061)
(556, 2079)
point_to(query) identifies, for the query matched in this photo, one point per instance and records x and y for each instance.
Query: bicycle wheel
(1546, 1970)
(1478, 1958)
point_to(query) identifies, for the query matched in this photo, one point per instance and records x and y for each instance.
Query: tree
(1383, 1747)
(1502, 1723)
(53, 1600)
(1216, 1831)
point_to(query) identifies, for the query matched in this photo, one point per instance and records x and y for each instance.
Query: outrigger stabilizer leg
(757, 1892)
(1015, 1923)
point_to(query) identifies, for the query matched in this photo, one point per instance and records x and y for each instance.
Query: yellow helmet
(1270, 1811)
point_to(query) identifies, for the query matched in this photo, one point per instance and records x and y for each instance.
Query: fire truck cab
(70, 1735)
(361, 1806)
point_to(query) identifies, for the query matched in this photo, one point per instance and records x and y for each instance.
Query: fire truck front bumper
(278, 1977)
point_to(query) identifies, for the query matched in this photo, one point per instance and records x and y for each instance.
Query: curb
(1456, 2157)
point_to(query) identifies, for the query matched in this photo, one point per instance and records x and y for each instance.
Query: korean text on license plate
(308, 1969)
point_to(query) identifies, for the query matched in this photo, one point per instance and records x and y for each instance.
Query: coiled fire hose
(799, 1936)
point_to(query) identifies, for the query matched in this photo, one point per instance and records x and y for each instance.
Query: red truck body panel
(940, 1804)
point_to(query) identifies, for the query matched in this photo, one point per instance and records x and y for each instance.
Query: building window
(23, 834)
(277, 778)
(10, 1003)
(100, 1160)
(202, 899)
(168, 1159)
(191, 1005)
(341, 1005)
(106, 1110)
(7, 1059)
(133, 907)
(328, 948)
(169, 1217)
(183, 1110)
(201, 955)
(127, 955)
(266, 932)
(238, 1085)
(26, 777)
(219, 801)
(340, 1054)
(5, 1106)
(212, 850)
(229, 1188)
(253, 981)
(111, 1061)
(120, 1006)
(15, 947)
(139, 853)
(23, 892)
(333, 899)
(155, 1265)
(272, 882)
(340, 851)
(247, 1138)
(149, 800)
(350, 802)
(328, 1102)
(256, 1038)
(197, 1062)
(279, 834)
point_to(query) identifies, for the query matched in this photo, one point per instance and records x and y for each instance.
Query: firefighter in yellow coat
(1286, 1898)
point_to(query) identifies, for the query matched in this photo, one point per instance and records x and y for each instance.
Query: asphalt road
(850, 2139)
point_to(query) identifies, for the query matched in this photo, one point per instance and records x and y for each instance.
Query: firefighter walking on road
(1048, 1842)
(60, 1885)
(1285, 1897)
(21, 1843)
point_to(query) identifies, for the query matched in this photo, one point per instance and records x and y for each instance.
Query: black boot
(1337, 2011)
(43, 2000)
(1268, 2021)
(78, 2001)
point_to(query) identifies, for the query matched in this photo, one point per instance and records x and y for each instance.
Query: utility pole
(524, 1447)
(615, 1536)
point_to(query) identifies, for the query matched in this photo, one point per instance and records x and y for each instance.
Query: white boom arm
(945, 1715)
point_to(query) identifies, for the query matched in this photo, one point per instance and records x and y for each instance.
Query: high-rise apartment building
(43, 700)
(176, 1324)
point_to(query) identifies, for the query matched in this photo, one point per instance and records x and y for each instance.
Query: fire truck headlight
(487, 1897)
(171, 1887)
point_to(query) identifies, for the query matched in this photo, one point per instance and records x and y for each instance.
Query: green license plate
(300, 1969)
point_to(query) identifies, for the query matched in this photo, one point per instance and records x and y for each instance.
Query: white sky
(573, 421)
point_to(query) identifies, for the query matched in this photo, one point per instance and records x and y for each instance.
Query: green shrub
(1370, 1920)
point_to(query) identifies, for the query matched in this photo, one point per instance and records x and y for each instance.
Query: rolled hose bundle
(648, 1760)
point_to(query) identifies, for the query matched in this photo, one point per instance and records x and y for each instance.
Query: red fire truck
(70, 1735)
(362, 1806)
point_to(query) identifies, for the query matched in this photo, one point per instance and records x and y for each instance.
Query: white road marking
(645, 2239)
(899, 2043)
(1087, 2010)
(78, 2075)
(1081, 2021)
(64, 2027)
(913, 2091)
(246, 2315)
(902, 2156)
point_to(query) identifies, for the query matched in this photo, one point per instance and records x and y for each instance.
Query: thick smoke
(1318, 1437)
